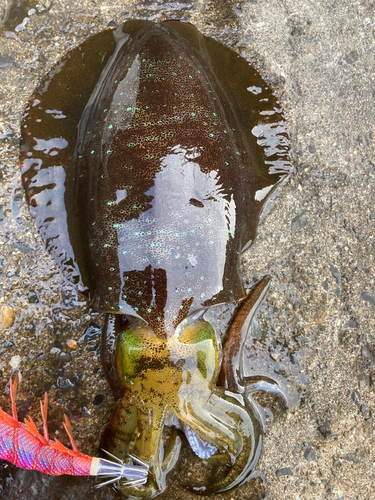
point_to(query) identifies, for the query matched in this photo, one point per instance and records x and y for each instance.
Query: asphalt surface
(317, 241)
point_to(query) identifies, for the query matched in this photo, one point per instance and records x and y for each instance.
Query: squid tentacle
(228, 422)
(129, 431)
(148, 444)
(159, 469)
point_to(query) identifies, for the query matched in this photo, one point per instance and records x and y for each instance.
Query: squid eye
(205, 350)
(194, 332)
(135, 333)
(136, 344)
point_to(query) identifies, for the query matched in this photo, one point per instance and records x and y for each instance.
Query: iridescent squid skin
(147, 154)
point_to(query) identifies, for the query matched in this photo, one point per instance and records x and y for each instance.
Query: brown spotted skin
(147, 154)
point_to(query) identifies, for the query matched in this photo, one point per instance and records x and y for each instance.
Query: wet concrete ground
(316, 240)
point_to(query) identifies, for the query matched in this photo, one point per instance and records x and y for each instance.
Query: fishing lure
(23, 446)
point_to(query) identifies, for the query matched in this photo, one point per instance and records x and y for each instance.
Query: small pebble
(7, 316)
(294, 359)
(55, 350)
(72, 344)
(361, 339)
(354, 397)
(309, 455)
(368, 297)
(335, 273)
(5, 62)
(325, 429)
(92, 333)
(64, 384)
(32, 297)
(300, 221)
(351, 57)
(15, 361)
(355, 458)
(365, 352)
(363, 381)
(65, 357)
(363, 408)
(285, 471)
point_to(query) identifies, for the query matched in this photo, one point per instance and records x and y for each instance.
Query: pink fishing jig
(23, 445)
